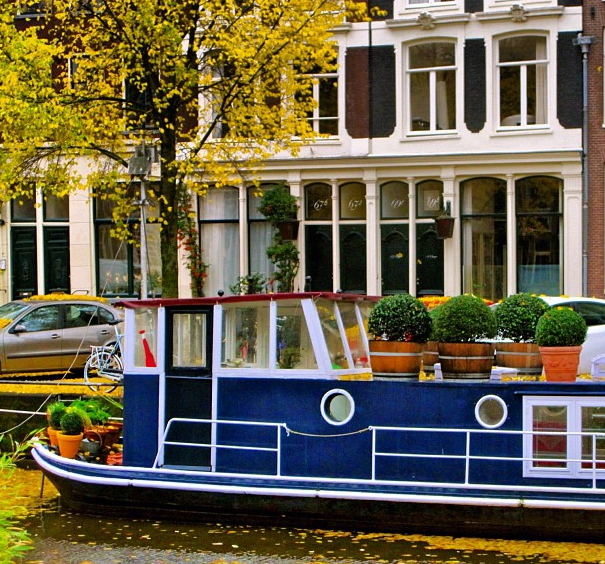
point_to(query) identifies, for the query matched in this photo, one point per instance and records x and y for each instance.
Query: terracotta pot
(525, 357)
(52, 436)
(69, 445)
(466, 361)
(396, 359)
(561, 363)
(430, 355)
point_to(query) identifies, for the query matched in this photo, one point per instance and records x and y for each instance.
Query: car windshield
(11, 310)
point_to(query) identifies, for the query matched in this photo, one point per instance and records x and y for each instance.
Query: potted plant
(54, 413)
(464, 326)
(560, 333)
(73, 423)
(400, 324)
(281, 209)
(517, 317)
(99, 419)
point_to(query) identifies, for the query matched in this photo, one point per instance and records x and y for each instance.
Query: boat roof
(213, 300)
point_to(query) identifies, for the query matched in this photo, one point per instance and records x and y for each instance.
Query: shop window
(484, 237)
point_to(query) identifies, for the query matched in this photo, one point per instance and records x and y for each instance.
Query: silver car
(44, 335)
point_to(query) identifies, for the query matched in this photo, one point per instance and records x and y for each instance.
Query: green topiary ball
(401, 317)
(518, 315)
(561, 326)
(464, 319)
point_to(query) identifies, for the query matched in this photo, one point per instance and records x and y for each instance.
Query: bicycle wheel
(95, 371)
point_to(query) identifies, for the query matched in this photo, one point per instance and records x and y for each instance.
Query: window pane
(445, 100)
(41, 319)
(318, 202)
(353, 334)
(84, 316)
(482, 196)
(294, 349)
(146, 329)
(245, 337)
(420, 101)
(220, 203)
(189, 340)
(319, 258)
(515, 49)
(23, 209)
(329, 325)
(593, 421)
(394, 200)
(429, 198)
(56, 208)
(353, 201)
(547, 448)
(224, 266)
(429, 55)
(113, 262)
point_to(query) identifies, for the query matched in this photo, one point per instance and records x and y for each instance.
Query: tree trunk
(168, 217)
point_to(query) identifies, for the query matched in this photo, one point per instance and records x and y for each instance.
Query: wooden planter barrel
(396, 359)
(525, 357)
(430, 356)
(466, 361)
(561, 363)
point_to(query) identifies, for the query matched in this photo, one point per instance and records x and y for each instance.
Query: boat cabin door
(188, 384)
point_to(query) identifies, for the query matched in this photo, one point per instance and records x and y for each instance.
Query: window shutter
(569, 81)
(474, 84)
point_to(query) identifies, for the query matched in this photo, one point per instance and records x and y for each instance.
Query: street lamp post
(139, 167)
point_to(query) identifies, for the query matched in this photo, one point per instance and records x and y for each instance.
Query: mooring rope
(293, 432)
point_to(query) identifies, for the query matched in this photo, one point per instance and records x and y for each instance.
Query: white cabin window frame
(570, 456)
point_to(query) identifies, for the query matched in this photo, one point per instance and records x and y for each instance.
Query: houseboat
(264, 408)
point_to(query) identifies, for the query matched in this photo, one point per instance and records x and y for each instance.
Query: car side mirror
(19, 329)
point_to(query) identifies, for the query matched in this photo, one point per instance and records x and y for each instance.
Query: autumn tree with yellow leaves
(215, 86)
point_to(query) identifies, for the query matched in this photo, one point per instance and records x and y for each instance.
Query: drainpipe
(584, 42)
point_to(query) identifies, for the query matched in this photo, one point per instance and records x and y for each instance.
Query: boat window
(548, 451)
(294, 348)
(337, 407)
(491, 412)
(353, 333)
(189, 334)
(331, 331)
(146, 327)
(245, 336)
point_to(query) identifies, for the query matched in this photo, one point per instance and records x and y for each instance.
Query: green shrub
(94, 410)
(464, 319)
(517, 317)
(561, 326)
(278, 205)
(401, 317)
(73, 422)
(56, 410)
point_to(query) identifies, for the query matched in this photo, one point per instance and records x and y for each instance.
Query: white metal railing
(593, 473)
(214, 445)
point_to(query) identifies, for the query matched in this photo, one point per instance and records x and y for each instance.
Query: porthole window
(491, 412)
(337, 407)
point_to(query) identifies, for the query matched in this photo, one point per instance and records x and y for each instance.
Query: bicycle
(105, 364)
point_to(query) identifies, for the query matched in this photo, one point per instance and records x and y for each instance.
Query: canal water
(62, 537)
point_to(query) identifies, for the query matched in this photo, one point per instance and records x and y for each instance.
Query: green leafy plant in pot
(517, 317)
(401, 325)
(560, 333)
(463, 328)
(55, 411)
(73, 423)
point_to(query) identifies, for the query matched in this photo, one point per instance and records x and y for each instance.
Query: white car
(593, 312)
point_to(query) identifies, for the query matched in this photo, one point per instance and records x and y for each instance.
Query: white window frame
(523, 117)
(574, 405)
(315, 119)
(432, 72)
